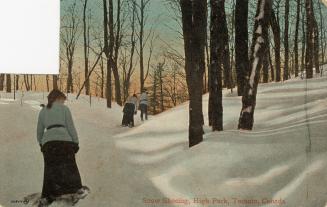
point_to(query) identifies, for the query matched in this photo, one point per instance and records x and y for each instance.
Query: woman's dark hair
(53, 96)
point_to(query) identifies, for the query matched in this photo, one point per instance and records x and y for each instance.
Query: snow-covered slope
(272, 162)
(152, 163)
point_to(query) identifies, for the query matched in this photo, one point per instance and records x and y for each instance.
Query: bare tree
(258, 49)
(2, 80)
(108, 45)
(216, 65)
(17, 82)
(296, 38)
(47, 82)
(276, 32)
(86, 37)
(321, 33)
(143, 38)
(27, 83)
(55, 81)
(128, 65)
(303, 27)
(8, 83)
(286, 47)
(309, 56)
(265, 65)
(69, 38)
(194, 21)
(316, 46)
(241, 43)
(118, 39)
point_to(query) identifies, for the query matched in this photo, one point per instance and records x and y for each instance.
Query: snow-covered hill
(151, 164)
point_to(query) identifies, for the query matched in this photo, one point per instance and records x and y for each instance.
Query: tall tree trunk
(8, 83)
(70, 87)
(258, 50)
(241, 44)
(265, 67)
(216, 56)
(160, 67)
(316, 46)
(2, 80)
(129, 71)
(26, 83)
(102, 78)
(47, 82)
(321, 34)
(141, 35)
(54, 81)
(272, 72)
(116, 53)
(296, 38)
(17, 82)
(31, 84)
(86, 53)
(194, 23)
(286, 52)
(309, 56)
(303, 39)
(225, 44)
(108, 46)
(276, 32)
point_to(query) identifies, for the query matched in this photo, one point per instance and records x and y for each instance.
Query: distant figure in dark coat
(130, 108)
(57, 137)
(144, 104)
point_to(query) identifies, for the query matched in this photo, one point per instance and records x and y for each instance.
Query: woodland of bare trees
(185, 48)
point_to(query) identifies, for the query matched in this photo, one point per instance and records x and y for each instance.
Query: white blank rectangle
(29, 36)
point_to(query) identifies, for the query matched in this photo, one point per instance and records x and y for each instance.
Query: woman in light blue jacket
(57, 137)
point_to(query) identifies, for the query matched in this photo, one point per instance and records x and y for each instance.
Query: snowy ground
(151, 163)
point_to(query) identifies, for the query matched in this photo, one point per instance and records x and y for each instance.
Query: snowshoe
(80, 194)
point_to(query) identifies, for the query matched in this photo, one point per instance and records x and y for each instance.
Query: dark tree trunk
(8, 83)
(216, 55)
(141, 44)
(276, 32)
(286, 47)
(17, 82)
(54, 81)
(26, 83)
(194, 21)
(2, 80)
(316, 46)
(303, 39)
(86, 50)
(258, 50)
(31, 84)
(223, 36)
(162, 108)
(265, 68)
(115, 71)
(47, 82)
(322, 34)
(70, 87)
(102, 78)
(129, 71)
(108, 46)
(241, 44)
(296, 38)
(272, 72)
(309, 56)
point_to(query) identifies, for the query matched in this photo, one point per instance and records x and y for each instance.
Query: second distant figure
(144, 105)
(130, 108)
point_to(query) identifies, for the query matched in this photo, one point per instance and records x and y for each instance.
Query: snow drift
(282, 162)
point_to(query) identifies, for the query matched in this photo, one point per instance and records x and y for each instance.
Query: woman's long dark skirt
(61, 175)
